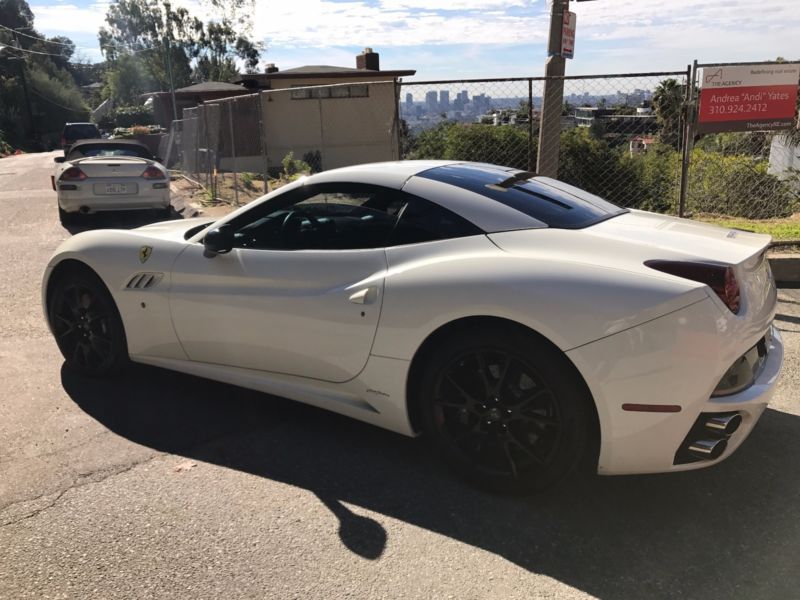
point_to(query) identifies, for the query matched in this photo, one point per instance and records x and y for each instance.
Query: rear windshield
(84, 150)
(81, 132)
(554, 203)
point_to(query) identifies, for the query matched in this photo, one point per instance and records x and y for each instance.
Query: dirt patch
(220, 199)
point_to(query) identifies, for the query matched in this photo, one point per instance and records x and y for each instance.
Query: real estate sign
(748, 97)
(568, 34)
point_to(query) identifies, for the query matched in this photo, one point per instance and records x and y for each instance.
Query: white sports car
(106, 175)
(518, 322)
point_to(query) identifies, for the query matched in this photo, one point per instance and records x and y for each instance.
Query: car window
(83, 151)
(80, 132)
(322, 217)
(551, 202)
(424, 221)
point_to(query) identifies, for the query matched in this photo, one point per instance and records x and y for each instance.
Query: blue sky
(444, 39)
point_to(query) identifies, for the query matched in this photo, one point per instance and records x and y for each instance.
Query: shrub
(128, 116)
(737, 186)
(293, 167)
(503, 145)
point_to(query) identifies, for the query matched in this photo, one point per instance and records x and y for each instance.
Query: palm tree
(668, 104)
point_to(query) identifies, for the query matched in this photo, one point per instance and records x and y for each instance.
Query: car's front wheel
(505, 409)
(86, 323)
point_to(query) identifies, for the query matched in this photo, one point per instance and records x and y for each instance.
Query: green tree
(152, 30)
(53, 96)
(127, 80)
(668, 104)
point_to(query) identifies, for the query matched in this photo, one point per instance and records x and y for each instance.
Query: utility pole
(169, 62)
(553, 101)
(550, 124)
(31, 126)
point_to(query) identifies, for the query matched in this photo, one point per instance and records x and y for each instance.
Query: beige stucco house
(335, 116)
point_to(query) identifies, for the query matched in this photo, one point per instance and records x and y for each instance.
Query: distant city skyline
(452, 39)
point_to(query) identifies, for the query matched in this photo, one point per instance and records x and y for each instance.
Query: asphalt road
(167, 486)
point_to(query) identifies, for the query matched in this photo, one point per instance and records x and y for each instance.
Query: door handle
(365, 296)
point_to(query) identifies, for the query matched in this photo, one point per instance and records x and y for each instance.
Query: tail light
(73, 174)
(152, 172)
(719, 278)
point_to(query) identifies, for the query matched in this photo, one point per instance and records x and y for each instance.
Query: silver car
(109, 175)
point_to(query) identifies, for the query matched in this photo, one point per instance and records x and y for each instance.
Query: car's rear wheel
(505, 409)
(86, 323)
(65, 217)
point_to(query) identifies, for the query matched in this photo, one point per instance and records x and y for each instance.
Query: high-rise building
(432, 101)
(444, 100)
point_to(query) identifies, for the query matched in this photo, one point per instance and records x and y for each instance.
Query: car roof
(393, 174)
(493, 197)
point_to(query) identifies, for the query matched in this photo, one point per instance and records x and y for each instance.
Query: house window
(302, 94)
(360, 90)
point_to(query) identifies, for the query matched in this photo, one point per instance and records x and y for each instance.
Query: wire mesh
(621, 136)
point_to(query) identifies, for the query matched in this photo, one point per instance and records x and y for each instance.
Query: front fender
(117, 256)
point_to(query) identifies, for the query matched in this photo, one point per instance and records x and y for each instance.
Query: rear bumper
(676, 360)
(73, 202)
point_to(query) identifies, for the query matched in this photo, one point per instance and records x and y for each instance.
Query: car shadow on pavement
(124, 219)
(729, 531)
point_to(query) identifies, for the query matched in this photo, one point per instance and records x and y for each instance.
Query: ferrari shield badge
(144, 253)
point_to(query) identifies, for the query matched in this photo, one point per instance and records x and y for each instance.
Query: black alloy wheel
(86, 324)
(505, 409)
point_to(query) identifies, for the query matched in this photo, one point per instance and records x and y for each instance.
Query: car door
(301, 291)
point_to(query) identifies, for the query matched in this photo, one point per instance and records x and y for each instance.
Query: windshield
(80, 132)
(83, 151)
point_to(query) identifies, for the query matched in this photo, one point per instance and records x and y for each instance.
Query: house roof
(209, 86)
(321, 71)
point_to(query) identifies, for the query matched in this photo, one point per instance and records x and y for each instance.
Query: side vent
(143, 281)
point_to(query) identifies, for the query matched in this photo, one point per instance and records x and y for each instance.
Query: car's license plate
(116, 188)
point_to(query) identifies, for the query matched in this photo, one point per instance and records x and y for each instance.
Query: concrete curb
(785, 267)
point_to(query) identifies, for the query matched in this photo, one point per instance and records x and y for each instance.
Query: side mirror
(218, 241)
(59, 159)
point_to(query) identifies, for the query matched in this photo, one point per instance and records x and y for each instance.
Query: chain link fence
(233, 147)
(623, 137)
(743, 174)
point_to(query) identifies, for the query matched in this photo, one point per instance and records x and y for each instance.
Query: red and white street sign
(568, 34)
(748, 98)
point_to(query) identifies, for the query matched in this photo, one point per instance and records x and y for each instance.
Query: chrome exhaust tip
(708, 449)
(724, 424)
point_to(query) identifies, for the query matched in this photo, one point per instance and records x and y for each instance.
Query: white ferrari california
(106, 175)
(518, 322)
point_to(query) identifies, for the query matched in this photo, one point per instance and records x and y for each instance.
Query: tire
(86, 324)
(65, 217)
(504, 409)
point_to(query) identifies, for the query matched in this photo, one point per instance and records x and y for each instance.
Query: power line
(33, 37)
(35, 93)
(46, 41)
(34, 51)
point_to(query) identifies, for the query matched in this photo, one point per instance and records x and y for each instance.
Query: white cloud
(320, 24)
(69, 18)
(454, 5)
